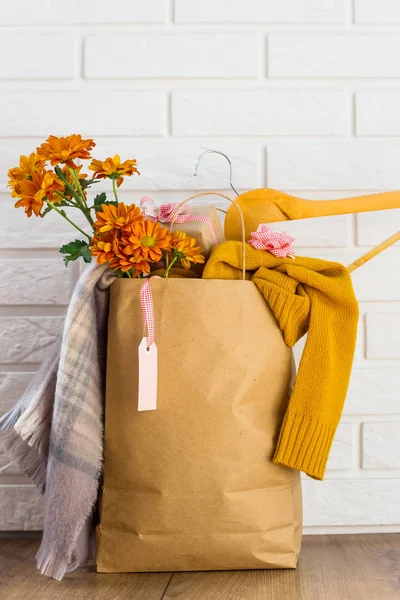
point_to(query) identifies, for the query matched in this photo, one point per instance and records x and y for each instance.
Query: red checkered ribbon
(279, 244)
(168, 212)
(146, 301)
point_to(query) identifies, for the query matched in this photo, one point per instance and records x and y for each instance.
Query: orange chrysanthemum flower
(27, 166)
(34, 191)
(104, 247)
(65, 149)
(184, 248)
(127, 263)
(113, 168)
(117, 217)
(147, 239)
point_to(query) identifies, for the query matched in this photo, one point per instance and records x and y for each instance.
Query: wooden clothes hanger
(374, 252)
(359, 262)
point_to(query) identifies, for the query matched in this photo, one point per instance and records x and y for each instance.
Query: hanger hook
(196, 168)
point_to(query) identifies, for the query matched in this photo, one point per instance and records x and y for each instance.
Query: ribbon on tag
(146, 302)
(148, 356)
(166, 212)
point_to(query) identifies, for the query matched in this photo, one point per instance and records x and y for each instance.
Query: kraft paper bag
(191, 486)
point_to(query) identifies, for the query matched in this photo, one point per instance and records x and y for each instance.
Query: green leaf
(85, 183)
(59, 173)
(47, 210)
(75, 250)
(102, 199)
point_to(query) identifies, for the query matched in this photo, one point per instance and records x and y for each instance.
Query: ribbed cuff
(304, 444)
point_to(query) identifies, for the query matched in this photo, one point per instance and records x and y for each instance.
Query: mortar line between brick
(357, 452)
(360, 446)
(265, 57)
(353, 114)
(168, 116)
(80, 57)
(353, 231)
(170, 8)
(264, 166)
(351, 13)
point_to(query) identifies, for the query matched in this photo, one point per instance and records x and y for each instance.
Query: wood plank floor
(332, 567)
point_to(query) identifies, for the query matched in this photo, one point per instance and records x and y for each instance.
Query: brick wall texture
(303, 95)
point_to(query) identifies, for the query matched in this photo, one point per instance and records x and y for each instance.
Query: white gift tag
(147, 395)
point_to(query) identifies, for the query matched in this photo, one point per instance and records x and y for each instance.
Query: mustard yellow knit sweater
(305, 294)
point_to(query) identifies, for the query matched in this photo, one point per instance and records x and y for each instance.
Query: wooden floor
(332, 567)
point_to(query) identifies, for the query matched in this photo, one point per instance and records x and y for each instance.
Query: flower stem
(82, 200)
(69, 200)
(78, 185)
(165, 274)
(79, 204)
(70, 187)
(114, 183)
(62, 213)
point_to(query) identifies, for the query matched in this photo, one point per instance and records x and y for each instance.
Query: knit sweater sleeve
(316, 403)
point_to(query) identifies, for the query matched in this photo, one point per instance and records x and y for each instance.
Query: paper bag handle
(176, 212)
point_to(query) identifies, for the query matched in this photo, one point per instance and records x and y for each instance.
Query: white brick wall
(381, 445)
(254, 11)
(170, 55)
(23, 12)
(381, 338)
(330, 55)
(258, 113)
(303, 95)
(377, 113)
(27, 339)
(370, 12)
(351, 165)
(35, 112)
(28, 55)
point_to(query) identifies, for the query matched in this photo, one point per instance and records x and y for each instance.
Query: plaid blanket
(55, 432)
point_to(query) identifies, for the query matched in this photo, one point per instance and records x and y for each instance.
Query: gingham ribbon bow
(166, 212)
(279, 244)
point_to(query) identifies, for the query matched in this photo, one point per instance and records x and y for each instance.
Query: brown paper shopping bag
(191, 485)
